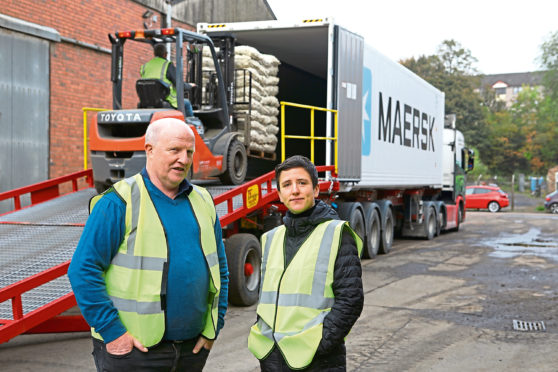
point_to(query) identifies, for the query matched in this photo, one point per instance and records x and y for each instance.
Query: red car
(486, 197)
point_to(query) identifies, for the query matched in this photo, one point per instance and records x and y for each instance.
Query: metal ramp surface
(39, 238)
(37, 243)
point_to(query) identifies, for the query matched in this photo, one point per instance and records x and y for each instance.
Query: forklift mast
(178, 37)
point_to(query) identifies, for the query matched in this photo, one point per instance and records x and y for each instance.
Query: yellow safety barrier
(85, 111)
(311, 137)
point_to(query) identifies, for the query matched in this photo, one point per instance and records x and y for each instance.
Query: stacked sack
(265, 86)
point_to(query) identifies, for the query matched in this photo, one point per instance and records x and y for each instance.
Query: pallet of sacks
(264, 123)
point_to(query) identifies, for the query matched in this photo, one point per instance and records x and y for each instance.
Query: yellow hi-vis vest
(294, 300)
(157, 69)
(136, 275)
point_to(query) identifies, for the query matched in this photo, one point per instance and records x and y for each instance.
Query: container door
(348, 61)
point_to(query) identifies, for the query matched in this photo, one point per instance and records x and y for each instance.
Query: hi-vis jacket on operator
(157, 68)
(296, 299)
(135, 277)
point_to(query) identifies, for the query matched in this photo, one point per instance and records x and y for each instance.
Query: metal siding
(5, 112)
(24, 110)
(349, 60)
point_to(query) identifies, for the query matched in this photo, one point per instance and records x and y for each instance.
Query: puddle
(530, 243)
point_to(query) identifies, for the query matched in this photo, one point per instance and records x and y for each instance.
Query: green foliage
(549, 62)
(521, 138)
(480, 168)
(451, 71)
(456, 59)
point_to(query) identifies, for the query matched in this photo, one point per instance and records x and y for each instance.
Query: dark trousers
(167, 356)
(333, 361)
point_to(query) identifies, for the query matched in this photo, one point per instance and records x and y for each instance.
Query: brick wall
(80, 76)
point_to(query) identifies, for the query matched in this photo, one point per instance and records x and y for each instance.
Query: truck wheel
(493, 206)
(373, 237)
(459, 218)
(430, 225)
(387, 233)
(440, 224)
(237, 164)
(351, 212)
(244, 259)
(100, 187)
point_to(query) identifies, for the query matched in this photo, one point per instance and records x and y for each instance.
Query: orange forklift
(117, 136)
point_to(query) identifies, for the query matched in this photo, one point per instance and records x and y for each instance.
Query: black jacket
(347, 282)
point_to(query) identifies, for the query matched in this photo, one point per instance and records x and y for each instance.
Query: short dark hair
(160, 50)
(298, 161)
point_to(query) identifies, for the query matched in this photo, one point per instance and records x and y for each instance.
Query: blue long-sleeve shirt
(188, 275)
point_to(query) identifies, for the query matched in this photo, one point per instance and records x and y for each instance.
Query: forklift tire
(244, 259)
(237, 164)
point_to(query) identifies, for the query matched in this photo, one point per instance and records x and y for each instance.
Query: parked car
(486, 197)
(551, 202)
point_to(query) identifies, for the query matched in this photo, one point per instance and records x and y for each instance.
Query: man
(150, 272)
(160, 68)
(311, 291)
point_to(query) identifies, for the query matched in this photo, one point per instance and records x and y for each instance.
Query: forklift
(221, 138)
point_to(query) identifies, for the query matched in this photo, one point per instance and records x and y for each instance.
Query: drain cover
(520, 325)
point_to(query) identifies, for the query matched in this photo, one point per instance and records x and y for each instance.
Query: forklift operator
(160, 68)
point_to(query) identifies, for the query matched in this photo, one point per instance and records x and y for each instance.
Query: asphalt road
(440, 305)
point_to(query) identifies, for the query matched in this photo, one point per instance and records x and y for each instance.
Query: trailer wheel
(352, 212)
(244, 259)
(430, 225)
(373, 234)
(387, 233)
(237, 164)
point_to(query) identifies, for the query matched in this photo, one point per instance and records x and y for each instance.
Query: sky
(503, 35)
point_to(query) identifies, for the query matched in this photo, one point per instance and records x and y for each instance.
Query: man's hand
(124, 344)
(202, 342)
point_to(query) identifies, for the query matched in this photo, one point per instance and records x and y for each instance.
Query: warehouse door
(24, 111)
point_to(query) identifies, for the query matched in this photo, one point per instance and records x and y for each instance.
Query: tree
(547, 129)
(451, 70)
(549, 62)
(456, 59)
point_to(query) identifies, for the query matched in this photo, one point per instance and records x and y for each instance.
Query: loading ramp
(38, 241)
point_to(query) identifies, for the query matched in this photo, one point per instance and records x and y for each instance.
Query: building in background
(507, 86)
(55, 60)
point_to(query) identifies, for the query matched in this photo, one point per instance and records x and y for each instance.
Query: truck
(400, 163)
(389, 158)
(394, 164)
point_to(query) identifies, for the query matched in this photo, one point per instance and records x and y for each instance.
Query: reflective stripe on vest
(157, 68)
(134, 278)
(295, 300)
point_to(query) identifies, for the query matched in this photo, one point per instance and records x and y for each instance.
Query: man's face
(170, 158)
(296, 190)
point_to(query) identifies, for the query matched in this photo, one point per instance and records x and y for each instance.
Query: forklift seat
(152, 93)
